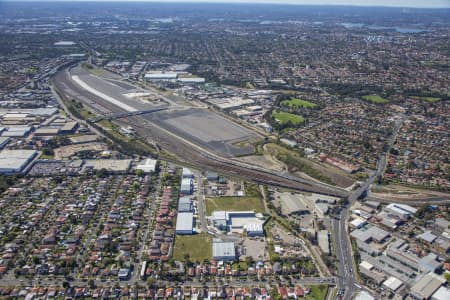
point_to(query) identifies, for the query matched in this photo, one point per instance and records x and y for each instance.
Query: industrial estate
(203, 151)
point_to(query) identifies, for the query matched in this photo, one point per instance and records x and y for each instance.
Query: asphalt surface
(346, 278)
(186, 149)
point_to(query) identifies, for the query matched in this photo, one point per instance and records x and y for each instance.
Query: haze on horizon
(389, 3)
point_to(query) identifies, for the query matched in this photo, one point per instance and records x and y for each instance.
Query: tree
(91, 283)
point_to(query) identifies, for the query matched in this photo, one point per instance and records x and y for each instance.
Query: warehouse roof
(402, 208)
(223, 249)
(442, 293)
(185, 221)
(254, 227)
(366, 265)
(15, 160)
(427, 236)
(427, 285)
(4, 140)
(148, 166)
(392, 283)
(372, 233)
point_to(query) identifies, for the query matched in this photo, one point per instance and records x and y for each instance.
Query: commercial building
(185, 223)
(17, 131)
(46, 132)
(160, 76)
(238, 221)
(15, 161)
(403, 211)
(393, 284)
(254, 229)
(399, 251)
(223, 250)
(4, 141)
(427, 236)
(69, 128)
(426, 286)
(191, 80)
(187, 173)
(368, 270)
(149, 166)
(368, 234)
(187, 186)
(185, 204)
(442, 293)
(363, 295)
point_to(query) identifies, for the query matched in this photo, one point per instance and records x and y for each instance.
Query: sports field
(283, 117)
(295, 103)
(375, 99)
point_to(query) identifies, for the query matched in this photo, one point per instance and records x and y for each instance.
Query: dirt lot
(68, 151)
(254, 247)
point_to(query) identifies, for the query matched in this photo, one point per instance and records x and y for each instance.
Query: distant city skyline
(388, 3)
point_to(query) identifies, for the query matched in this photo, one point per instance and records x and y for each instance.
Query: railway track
(188, 153)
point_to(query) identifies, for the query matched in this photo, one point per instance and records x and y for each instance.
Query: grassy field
(318, 292)
(429, 99)
(375, 99)
(234, 204)
(294, 102)
(294, 160)
(198, 247)
(284, 117)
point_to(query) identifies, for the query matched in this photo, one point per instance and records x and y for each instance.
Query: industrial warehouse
(16, 161)
(239, 222)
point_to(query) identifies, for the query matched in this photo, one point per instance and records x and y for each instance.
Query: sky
(396, 3)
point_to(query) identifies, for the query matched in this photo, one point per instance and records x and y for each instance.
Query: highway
(346, 278)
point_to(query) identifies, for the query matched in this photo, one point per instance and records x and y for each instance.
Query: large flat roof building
(149, 166)
(238, 221)
(367, 234)
(223, 250)
(185, 223)
(393, 284)
(161, 76)
(401, 210)
(185, 204)
(442, 293)
(187, 187)
(4, 141)
(426, 286)
(15, 161)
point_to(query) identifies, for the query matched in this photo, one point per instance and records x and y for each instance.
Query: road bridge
(120, 115)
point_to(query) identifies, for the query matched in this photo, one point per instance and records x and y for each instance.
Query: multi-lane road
(347, 279)
(204, 159)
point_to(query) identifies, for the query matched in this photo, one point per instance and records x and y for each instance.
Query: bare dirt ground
(67, 151)
(265, 161)
(394, 192)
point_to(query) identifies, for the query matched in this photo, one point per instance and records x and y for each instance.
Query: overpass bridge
(120, 115)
